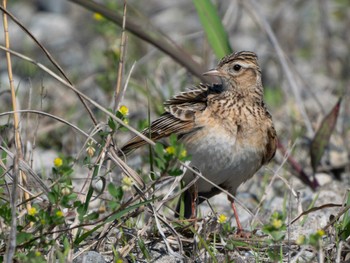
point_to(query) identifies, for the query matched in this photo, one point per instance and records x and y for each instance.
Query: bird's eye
(237, 67)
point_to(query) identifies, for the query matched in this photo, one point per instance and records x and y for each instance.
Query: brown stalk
(18, 144)
(118, 94)
(17, 173)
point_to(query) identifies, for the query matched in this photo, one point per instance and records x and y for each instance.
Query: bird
(225, 127)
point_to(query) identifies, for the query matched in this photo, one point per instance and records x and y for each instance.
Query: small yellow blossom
(124, 110)
(37, 253)
(119, 261)
(65, 191)
(222, 219)
(300, 240)
(59, 213)
(43, 221)
(277, 223)
(58, 162)
(102, 209)
(98, 16)
(126, 121)
(170, 150)
(127, 182)
(32, 211)
(320, 232)
(183, 154)
(90, 149)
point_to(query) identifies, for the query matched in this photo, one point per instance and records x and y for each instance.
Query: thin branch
(11, 245)
(117, 95)
(151, 36)
(48, 115)
(22, 177)
(85, 97)
(49, 56)
(314, 209)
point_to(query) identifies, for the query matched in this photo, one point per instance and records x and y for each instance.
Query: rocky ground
(314, 37)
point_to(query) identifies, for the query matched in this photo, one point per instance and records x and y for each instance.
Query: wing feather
(163, 127)
(178, 119)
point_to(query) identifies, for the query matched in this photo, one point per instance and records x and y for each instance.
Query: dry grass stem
(118, 92)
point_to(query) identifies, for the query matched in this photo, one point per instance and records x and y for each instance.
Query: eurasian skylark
(225, 127)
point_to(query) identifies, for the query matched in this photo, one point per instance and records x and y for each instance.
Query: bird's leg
(233, 206)
(194, 198)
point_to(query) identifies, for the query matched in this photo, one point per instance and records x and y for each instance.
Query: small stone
(323, 178)
(90, 257)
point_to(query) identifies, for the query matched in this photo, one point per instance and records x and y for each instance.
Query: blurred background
(303, 50)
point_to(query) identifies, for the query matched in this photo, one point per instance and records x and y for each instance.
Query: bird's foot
(243, 234)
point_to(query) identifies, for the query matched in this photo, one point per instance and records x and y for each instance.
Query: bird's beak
(213, 72)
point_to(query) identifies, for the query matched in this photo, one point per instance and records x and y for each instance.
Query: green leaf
(81, 210)
(22, 237)
(128, 209)
(5, 213)
(159, 149)
(175, 172)
(88, 198)
(160, 163)
(323, 135)
(173, 139)
(144, 249)
(112, 124)
(345, 223)
(91, 216)
(86, 234)
(116, 192)
(53, 197)
(212, 25)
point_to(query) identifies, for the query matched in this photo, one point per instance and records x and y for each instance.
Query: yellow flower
(277, 223)
(58, 162)
(183, 154)
(59, 213)
(126, 121)
(98, 16)
(42, 221)
(65, 191)
(124, 110)
(37, 253)
(90, 149)
(102, 209)
(127, 182)
(170, 150)
(119, 261)
(300, 240)
(320, 232)
(222, 219)
(32, 211)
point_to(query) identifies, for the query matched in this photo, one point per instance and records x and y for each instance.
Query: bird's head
(240, 72)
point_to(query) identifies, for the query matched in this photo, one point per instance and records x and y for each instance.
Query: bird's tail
(186, 200)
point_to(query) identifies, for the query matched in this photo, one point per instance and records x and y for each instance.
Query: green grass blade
(212, 25)
(345, 223)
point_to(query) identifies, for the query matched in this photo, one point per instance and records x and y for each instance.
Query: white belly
(223, 161)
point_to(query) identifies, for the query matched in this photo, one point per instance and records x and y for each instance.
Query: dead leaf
(322, 136)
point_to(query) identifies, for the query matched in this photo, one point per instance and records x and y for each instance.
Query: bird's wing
(186, 104)
(178, 119)
(271, 145)
(272, 142)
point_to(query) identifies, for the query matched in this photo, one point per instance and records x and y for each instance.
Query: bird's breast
(221, 157)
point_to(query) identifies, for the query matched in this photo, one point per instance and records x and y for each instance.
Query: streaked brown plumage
(225, 127)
